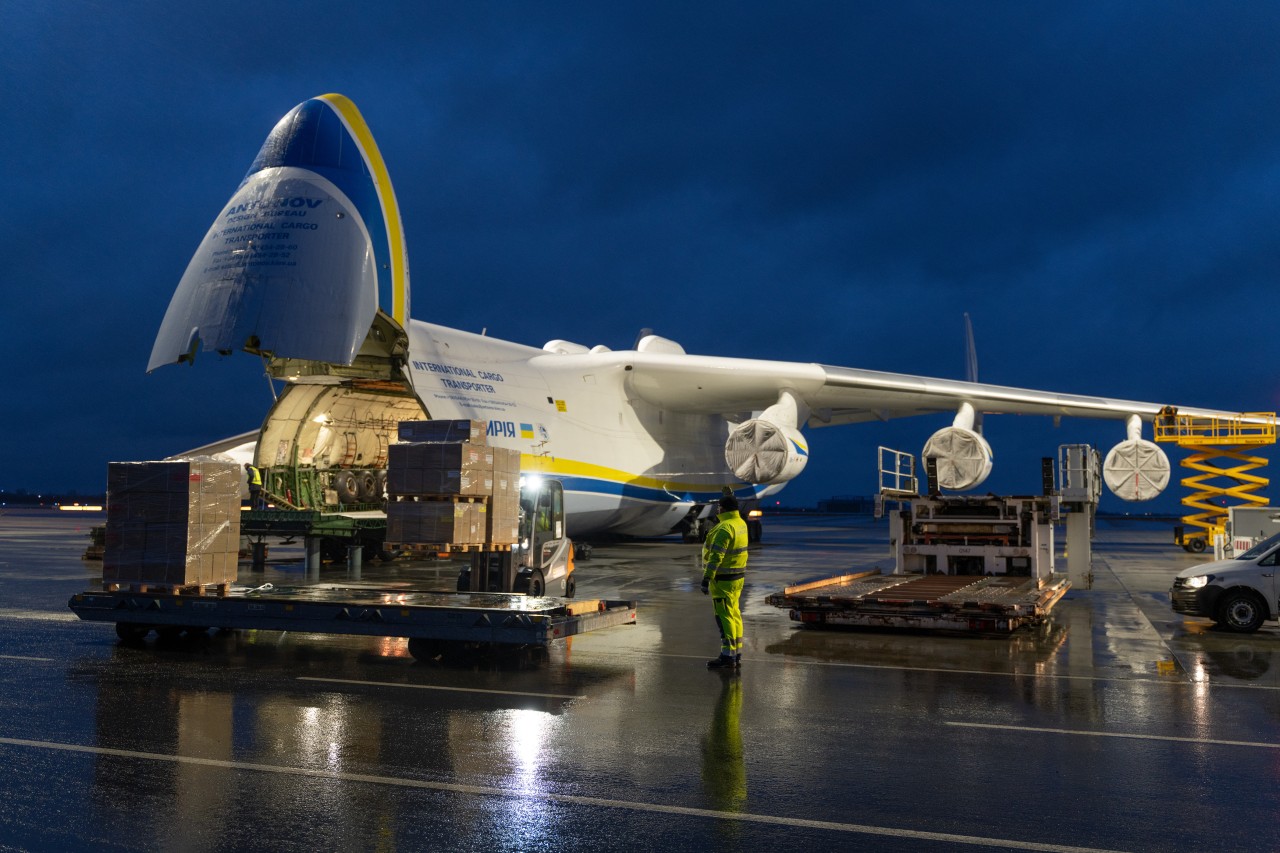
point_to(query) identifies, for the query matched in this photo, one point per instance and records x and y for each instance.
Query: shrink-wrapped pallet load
(419, 469)
(448, 488)
(504, 509)
(172, 522)
(444, 432)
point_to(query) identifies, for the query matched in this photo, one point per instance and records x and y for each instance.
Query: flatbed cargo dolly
(434, 622)
(968, 603)
(982, 564)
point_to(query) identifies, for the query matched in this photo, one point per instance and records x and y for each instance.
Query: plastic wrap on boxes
(421, 468)
(444, 431)
(172, 522)
(435, 522)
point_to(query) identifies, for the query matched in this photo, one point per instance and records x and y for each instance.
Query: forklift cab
(544, 555)
(541, 561)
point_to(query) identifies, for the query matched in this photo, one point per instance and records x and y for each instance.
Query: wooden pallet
(219, 589)
(443, 548)
(458, 499)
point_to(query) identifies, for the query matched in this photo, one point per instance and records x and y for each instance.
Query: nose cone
(303, 255)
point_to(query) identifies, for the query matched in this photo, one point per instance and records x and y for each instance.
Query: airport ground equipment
(1249, 525)
(1079, 487)
(960, 563)
(1219, 453)
(351, 535)
(540, 563)
(1238, 594)
(434, 622)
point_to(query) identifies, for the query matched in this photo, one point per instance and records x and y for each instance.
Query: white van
(1237, 594)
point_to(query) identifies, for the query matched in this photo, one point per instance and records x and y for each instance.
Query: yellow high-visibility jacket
(724, 553)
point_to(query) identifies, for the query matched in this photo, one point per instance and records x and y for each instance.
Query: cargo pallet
(962, 603)
(434, 622)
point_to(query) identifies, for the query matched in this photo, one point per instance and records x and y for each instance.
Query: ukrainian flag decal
(526, 430)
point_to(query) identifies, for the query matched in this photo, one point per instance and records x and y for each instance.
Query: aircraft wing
(842, 395)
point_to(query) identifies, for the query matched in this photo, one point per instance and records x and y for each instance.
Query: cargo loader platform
(434, 622)
(962, 603)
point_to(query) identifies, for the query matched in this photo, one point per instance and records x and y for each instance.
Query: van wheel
(1241, 612)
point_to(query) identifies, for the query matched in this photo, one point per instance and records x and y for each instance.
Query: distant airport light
(80, 508)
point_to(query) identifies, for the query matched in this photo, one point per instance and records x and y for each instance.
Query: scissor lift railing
(1219, 452)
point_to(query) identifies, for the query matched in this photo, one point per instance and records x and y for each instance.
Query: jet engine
(1136, 469)
(769, 448)
(963, 455)
(764, 452)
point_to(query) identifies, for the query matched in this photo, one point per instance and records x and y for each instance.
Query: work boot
(722, 662)
(737, 661)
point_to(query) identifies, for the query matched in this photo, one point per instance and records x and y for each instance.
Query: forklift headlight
(755, 513)
(1196, 582)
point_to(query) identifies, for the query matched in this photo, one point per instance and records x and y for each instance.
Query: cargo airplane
(306, 266)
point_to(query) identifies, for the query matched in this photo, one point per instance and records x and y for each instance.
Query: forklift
(541, 561)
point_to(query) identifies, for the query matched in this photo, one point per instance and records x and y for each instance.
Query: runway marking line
(437, 687)
(24, 657)
(1172, 682)
(568, 799)
(1129, 735)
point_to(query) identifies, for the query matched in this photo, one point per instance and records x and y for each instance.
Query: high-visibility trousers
(724, 600)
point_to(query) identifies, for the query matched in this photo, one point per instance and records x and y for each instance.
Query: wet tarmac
(1118, 725)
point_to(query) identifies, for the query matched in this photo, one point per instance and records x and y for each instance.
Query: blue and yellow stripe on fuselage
(600, 480)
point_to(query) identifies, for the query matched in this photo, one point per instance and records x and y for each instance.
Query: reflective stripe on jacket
(724, 553)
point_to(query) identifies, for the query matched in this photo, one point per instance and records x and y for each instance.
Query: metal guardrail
(1246, 429)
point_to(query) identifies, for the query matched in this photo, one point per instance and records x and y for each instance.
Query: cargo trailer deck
(434, 621)
(966, 603)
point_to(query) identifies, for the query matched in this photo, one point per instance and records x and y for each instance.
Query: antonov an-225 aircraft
(306, 266)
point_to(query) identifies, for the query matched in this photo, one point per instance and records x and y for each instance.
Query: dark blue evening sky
(1097, 184)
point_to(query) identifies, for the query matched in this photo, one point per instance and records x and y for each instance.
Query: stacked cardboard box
(174, 522)
(504, 509)
(437, 522)
(440, 469)
(436, 465)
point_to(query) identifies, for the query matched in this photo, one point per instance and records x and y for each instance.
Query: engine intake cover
(760, 451)
(1136, 470)
(964, 457)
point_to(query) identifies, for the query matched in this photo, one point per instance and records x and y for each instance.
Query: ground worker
(724, 564)
(254, 476)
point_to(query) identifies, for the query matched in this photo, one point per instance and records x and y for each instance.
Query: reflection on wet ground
(1076, 734)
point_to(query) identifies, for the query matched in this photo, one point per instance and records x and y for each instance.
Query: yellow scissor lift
(1219, 452)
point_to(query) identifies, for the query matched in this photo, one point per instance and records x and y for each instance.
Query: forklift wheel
(570, 587)
(537, 585)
